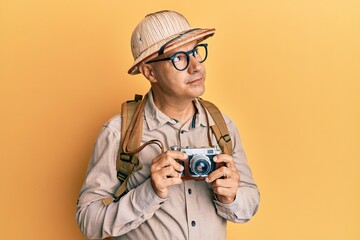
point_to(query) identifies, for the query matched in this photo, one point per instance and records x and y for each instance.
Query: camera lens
(200, 165)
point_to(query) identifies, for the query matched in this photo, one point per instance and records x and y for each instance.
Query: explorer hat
(161, 32)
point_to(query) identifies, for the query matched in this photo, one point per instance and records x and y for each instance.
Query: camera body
(199, 163)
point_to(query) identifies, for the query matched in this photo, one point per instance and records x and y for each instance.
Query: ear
(148, 71)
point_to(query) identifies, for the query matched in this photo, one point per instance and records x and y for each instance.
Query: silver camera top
(197, 151)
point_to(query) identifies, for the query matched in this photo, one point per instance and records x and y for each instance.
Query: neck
(181, 110)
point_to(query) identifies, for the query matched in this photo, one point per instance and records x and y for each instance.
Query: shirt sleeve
(98, 221)
(247, 197)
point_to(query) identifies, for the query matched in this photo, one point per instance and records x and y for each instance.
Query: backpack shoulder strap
(128, 110)
(127, 160)
(219, 129)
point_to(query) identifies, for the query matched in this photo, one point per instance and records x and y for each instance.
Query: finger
(230, 183)
(164, 161)
(171, 154)
(163, 182)
(225, 192)
(168, 163)
(177, 154)
(223, 172)
(225, 158)
(169, 172)
(161, 186)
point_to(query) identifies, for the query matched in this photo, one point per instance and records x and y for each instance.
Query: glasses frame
(192, 52)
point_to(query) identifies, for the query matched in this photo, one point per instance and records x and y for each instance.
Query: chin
(199, 91)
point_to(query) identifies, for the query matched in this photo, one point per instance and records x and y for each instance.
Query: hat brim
(152, 52)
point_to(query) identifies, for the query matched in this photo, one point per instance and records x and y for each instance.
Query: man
(160, 204)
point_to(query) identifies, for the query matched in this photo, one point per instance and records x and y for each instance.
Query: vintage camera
(199, 163)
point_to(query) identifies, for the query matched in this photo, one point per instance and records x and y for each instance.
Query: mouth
(196, 81)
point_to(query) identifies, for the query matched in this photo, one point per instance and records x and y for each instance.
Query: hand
(165, 172)
(225, 180)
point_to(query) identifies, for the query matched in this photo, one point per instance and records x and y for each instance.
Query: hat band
(162, 49)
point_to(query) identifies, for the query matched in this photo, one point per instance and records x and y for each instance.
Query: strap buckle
(137, 98)
(116, 199)
(121, 175)
(125, 157)
(226, 138)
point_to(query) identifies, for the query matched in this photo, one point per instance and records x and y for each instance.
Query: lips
(197, 80)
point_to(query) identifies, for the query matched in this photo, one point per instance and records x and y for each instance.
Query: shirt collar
(155, 118)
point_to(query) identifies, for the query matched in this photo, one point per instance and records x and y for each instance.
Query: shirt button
(193, 223)
(182, 131)
(189, 191)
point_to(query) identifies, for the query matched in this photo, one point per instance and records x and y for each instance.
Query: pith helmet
(161, 32)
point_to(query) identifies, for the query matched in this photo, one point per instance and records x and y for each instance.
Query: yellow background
(286, 71)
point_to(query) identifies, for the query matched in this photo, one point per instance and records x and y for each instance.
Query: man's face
(186, 84)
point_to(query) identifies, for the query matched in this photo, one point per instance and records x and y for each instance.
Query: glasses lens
(180, 61)
(200, 53)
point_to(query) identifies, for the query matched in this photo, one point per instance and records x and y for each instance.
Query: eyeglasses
(181, 59)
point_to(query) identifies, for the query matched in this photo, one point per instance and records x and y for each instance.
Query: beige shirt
(190, 211)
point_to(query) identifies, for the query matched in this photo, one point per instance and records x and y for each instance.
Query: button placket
(191, 210)
(183, 138)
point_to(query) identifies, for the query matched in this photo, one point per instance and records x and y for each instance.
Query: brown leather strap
(135, 129)
(130, 144)
(131, 125)
(220, 129)
(118, 193)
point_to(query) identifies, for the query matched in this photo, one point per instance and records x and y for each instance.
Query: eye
(196, 51)
(179, 57)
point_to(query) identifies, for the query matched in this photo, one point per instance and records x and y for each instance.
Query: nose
(194, 64)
